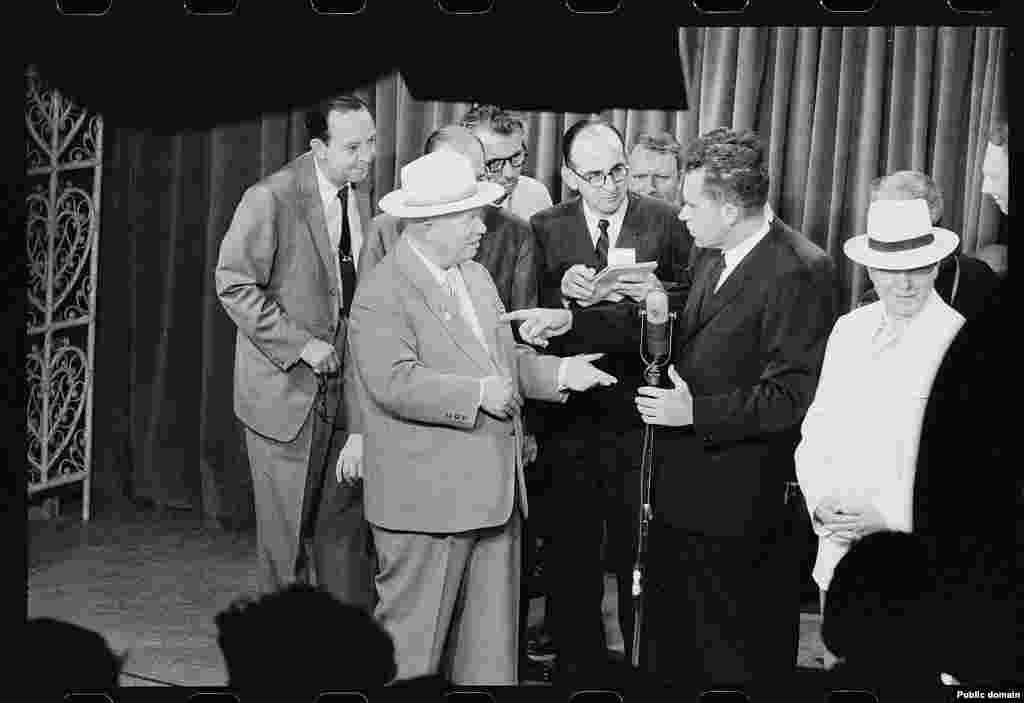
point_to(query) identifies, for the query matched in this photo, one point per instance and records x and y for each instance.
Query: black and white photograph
(358, 367)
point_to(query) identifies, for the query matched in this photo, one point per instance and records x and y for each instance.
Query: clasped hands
(846, 521)
(578, 284)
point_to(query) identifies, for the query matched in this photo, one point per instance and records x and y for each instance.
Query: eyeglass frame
(520, 154)
(604, 175)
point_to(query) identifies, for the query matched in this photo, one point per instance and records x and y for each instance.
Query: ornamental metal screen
(64, 156)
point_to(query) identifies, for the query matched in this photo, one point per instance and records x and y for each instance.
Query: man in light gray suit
(440, 383)
(286, 277)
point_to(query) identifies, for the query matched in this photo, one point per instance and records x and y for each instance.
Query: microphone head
(657, 307)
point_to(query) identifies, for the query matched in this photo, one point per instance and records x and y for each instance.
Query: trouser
(597, 491)
(722, 611)
(279, 475)
(451, 602)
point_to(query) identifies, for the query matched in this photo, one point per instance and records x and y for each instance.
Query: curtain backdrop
(837, 106)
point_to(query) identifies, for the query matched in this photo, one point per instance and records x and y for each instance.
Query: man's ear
(317, 146)
(570, 178)
(730, 212)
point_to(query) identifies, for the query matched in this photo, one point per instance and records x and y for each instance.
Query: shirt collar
(614, 220)
(734, 255)
(328, 191)
(436, 271)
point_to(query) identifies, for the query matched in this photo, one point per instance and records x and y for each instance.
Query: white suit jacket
(861, 433)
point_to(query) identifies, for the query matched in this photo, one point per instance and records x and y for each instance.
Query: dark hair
(450, 134)
(880, 597)
(496, 119)
(316, 117)
(660, 142)
(304, 620)
(66, 657)
(588, 123)
(735, 168)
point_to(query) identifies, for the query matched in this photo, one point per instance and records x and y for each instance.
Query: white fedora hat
(900, 237)
(439, 183)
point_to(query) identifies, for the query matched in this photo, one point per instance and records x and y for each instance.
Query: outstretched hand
(540, 324)
(581, 374)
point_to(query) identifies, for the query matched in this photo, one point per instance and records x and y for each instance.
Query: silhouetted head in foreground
(302, 641)
(879, 615)
(61, 657)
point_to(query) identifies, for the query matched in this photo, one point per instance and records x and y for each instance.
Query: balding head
(460, 140)
(910, 185)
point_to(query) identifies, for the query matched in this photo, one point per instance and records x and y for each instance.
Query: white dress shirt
(614, 222)
(332, 213)
(861, 434)
(736, 254)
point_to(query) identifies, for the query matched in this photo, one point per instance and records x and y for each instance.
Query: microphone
(657, 342)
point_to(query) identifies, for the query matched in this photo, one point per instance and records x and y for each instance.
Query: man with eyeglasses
(504, 138)
(595, 442)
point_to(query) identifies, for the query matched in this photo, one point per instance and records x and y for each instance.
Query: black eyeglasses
(496, 166)
(597, 179)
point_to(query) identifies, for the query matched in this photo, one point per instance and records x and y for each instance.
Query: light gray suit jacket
(435, 462)
(276, 279)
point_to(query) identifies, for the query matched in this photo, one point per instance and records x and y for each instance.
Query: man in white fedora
(440, 381)
(857, 456)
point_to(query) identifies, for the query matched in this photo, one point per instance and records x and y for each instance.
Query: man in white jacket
(860, 437)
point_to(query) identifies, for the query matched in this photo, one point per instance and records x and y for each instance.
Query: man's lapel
(444, 307)
(578, 225)
(311, 209)
(488, 307)
(633, 228)
(701, 310)
(363, 207)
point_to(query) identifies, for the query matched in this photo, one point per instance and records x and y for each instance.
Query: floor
(152, 582)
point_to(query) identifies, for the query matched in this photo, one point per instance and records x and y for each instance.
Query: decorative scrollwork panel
(63, 158)
(71, 253)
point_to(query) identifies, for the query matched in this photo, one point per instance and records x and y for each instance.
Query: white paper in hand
(621, 257)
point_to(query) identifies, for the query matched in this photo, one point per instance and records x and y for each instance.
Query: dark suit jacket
(967, 497)
(975, 285)
(507, 251)
(653, 229)
(751, 361)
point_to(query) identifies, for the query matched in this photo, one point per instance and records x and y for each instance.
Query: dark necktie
(602, 245)
(715, 269)
(345, 263)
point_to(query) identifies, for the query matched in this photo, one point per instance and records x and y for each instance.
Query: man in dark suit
(722, 588)
(286, 277)
(594, 443)
(964, 282)
(970, 518)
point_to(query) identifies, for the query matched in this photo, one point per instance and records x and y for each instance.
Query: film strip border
(539, 695)
(479, 7)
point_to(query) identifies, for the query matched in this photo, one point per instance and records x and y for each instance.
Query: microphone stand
(653, 376)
